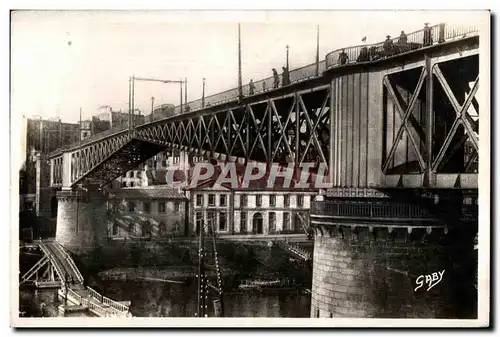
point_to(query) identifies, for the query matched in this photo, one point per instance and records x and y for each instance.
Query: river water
(157, 299)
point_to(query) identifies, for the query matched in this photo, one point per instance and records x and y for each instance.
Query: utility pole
(240, 84)
(152, 109)
(80, 127)
(203, 94)
(317, 51)
(201, 273)
(185, 91)
(181, 96)
(155, 80)
(129, 102)
(133, 102)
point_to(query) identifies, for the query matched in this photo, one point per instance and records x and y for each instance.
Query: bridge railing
(106, 300)
(96, 308)
(415, 40)
(458, 31)
(115, 305)
(94, 294)
(57, 267)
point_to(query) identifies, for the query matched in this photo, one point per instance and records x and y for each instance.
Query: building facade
(252, 210)
(40, 137)
(154, 212)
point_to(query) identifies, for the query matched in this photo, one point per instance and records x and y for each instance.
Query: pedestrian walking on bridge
(276, 77)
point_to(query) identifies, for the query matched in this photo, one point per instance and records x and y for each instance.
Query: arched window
(257, 224)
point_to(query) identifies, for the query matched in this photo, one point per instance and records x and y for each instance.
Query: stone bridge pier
(81, 219)
(371, 259)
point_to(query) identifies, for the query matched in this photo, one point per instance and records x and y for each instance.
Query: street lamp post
(203, 94)
(152, 109)
(132, 93)
(287, 57)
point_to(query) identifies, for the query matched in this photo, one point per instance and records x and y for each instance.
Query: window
(258, 224)
(138, 174)
(130, 174)
(115, 229)
(222, 200)
(300, 200)
(286, 200)
(222, 221)
(211, 200)
(161, 207)
(258, 200)
(199, 200)
(146, 207)
(272, 200)
(286, 221)
(164, 163)
(131, 184)
(124, 184)
(131, 207)
(272, 222)
(243, 222)
(243, 201)
(177, 207)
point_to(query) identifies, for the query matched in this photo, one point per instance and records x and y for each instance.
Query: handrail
(92, 293)
(56, 265)
(70, 261)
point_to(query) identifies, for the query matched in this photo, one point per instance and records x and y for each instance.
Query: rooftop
(150, 192)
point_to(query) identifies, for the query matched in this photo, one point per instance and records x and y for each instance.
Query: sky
(62, 61)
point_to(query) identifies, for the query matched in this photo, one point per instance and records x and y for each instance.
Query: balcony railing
(369, 210)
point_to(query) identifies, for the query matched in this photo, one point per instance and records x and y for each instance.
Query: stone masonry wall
(358, 273)
(81, 225)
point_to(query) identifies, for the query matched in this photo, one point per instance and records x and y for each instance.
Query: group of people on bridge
(391, 48)
(276, 81)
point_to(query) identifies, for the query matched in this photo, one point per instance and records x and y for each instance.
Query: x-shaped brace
(404, 113)
(462, 117)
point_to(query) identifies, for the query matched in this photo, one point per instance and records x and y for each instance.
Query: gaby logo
(431, 280)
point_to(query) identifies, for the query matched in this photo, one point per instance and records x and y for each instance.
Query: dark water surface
(157, 299)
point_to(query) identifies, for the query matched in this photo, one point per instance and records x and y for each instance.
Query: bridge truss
(429, 136)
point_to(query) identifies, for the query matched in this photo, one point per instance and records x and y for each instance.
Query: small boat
(259, 284)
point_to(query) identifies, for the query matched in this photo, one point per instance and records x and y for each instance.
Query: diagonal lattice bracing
(462, 118)
(259, 125)
(281, 130)
(238, 133)
(312, 128)
(404, 112)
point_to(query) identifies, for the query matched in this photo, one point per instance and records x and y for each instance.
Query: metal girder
(258, 129)
(283, 128)
(313, 135)
(404, 112)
